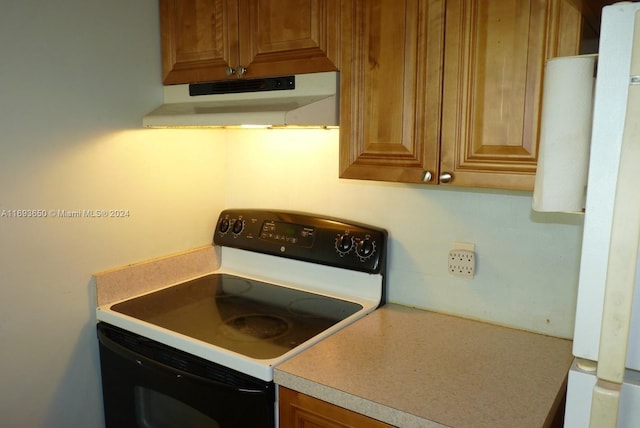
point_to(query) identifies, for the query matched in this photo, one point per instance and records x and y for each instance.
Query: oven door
(149, 385)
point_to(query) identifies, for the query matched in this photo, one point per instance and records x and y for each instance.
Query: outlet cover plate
(462, 263)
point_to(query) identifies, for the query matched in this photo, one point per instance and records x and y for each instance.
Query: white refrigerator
(604, 381)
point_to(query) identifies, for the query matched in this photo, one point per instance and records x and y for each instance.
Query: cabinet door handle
(241, 70)
(446, 177)
(427, 176)
(229, 71)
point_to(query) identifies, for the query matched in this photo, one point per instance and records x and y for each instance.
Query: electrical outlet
(462, 262)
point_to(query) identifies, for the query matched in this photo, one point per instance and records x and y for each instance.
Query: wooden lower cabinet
(299, 410)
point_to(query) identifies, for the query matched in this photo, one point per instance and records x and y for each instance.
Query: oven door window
(149, 385)
(157, 410)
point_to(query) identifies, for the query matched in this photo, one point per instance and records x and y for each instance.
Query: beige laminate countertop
(414, 368)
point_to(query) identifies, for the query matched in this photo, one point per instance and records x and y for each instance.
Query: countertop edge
(482, 368)
(352, 402)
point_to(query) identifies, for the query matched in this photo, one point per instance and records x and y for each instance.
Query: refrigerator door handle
(621, 275)
(604, 405)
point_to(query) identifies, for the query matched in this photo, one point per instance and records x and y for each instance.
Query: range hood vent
(306, 100)
(241, 85)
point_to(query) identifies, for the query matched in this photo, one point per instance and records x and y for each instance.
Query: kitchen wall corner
(83, 189)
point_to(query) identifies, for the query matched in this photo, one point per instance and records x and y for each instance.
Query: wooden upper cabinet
(199, 39)
(203, 40)
(428, 92)
(492, 93)
(390, 88)
(279, 37)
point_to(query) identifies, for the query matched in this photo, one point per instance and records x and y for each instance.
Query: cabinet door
(199, 39)
(300, 410)
(390, 89)
(280, 37)
(494, 63)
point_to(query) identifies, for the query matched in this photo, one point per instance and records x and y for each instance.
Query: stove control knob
(365, 248)
(344, 243)
(224, 226)
(238, 225)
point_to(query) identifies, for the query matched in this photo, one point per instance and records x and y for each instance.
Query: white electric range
(286, 281)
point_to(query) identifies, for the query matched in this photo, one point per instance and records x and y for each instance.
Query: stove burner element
(254, 327)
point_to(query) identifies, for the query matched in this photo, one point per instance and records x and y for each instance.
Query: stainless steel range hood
(301, 100)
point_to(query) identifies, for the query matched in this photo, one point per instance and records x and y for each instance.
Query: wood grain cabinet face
(300, 410)
(203, 39)
(390, 86)
(492, 94)
(461, 95)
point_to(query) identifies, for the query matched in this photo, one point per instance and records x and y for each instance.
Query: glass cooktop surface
(250, 317)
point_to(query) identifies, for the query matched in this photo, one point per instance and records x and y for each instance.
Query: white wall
(75, 79)
(527, 262)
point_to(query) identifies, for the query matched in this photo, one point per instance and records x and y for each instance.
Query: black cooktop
(250, 317)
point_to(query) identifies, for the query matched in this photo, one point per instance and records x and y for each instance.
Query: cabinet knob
(229, 71)
(427, 176)
(241, 70)
(446, 177)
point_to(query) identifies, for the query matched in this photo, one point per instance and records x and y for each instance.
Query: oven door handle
(142, 360)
